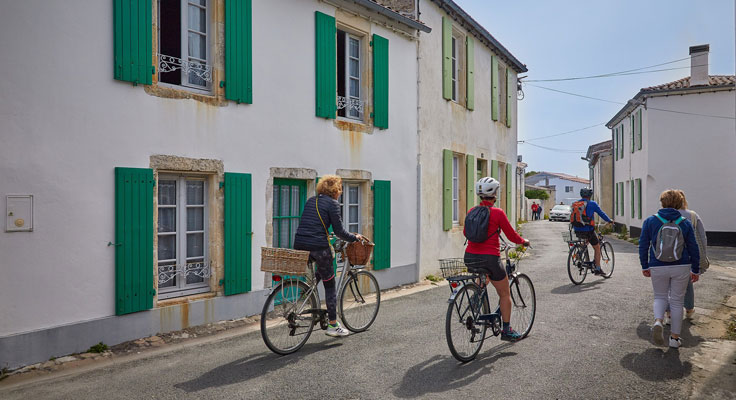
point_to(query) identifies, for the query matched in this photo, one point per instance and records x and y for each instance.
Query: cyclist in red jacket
(486, 255)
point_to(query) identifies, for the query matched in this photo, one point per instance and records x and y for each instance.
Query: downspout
(613, 179)
(419, 162)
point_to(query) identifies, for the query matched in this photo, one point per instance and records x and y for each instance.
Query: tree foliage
(536, 194)
(530, 173)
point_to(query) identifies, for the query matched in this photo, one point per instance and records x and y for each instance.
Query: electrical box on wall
(19, 213)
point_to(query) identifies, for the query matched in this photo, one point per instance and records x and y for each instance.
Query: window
(455, 190)
(184, 43)
(455, 68)
(568, 189)
(350, 210)
(482, 170)
(289, 196)
(183, 259)
(349, 77)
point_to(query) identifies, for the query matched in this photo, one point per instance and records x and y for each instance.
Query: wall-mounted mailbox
(19, 213)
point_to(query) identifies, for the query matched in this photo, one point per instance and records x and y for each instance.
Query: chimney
(699, 65)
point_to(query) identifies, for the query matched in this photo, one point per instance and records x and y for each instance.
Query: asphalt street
(588, 341)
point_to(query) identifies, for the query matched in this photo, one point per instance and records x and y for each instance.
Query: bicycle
(578, 258)
(468, 313)
(292, 308)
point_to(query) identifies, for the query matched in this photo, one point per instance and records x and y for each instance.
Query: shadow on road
(655, 364)
(250, 367)
(443, 373)
(583, 287)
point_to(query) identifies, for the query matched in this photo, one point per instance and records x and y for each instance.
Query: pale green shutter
(133, 41)
(638, 185)
(509, 190)
(238, 233)
(239, 51)
(326, 65)
(380, 82)
(494, 88)
(133, 240)
(615, 142)
(494, 170)
(633, 214)
(446, 58)
(640, 126)
(631, 133)
(470, 68)
(446, 189)
(616, 196)
(510, 89)
(470, 180)
(382, 224)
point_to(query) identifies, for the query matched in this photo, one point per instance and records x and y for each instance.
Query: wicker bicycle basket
(453, 267)
(284, 261)
(359, 252)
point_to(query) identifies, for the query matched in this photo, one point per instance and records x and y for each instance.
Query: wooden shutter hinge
(371, 115)
(221, 283)
(222, 84)
(113, 244)
(153, 70)
(370, 43)
(222, 185)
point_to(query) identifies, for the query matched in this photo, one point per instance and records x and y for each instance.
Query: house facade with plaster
(567, 187)
(600, 164)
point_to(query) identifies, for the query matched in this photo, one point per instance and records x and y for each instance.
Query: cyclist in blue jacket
(588, 231)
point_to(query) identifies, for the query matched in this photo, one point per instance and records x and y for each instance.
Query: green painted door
(382, 224)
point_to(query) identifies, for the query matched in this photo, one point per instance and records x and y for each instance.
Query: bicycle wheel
(607, 259)
(464, 337)
(576, 269)
(523, 304)
(360, 299)
(289, 316)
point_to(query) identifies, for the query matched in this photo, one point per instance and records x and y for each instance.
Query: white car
(560, 212)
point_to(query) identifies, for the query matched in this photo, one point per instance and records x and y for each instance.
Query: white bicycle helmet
(487, 187)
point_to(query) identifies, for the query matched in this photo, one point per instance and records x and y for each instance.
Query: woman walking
(669, 255)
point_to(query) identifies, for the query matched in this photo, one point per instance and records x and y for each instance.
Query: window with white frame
(183, 259)
(568, 189)
(349, 75)
(184, 54)
(455, 190)
(350, 209)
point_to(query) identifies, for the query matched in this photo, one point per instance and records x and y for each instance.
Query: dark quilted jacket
(311, 234)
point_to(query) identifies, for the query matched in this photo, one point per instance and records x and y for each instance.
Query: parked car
(560, 212)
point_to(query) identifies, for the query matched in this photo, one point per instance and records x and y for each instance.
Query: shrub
(433, 278)
(536, 194)
(98, 348)
(623, 234)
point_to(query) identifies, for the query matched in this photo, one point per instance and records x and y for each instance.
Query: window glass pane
(197, 46)
(354, 88)
(276, 201)
(195, 192)
(294, 225)
(285, 200)
(167, 219)
(354, 68)
(164, 272)
(353, 194)
(295, 201)
(197, 19)
(166, 192)
(167, 247)
(275, 242)
(194, 267)
(195, 219)
(353, 228)
(354, 48)
(193, 78)
(195, 244)
(353, 217)
(284, 233)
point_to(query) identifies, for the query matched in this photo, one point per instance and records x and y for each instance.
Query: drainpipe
(613, 179)
(419, 162)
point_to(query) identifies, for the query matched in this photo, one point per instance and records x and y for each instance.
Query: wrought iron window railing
(170, 63)
(168, 272)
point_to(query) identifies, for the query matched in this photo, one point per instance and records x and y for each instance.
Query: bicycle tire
(280, 321)
(360, 299)
(608, 259)
(523, 304)
(576, 270)
(470, 336)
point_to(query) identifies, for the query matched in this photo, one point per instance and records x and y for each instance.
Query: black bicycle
(468, 313)
(578, 258)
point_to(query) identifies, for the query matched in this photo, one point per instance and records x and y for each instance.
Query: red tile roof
(684, 83)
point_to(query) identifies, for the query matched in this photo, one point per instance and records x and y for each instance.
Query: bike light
(453, 284)
(276, 278)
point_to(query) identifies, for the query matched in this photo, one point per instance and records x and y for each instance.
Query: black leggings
(324, 271)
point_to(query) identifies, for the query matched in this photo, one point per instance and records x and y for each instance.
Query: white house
(467, 125)
(600, 164)
(679, 135)
(151, 147)
(567, 187)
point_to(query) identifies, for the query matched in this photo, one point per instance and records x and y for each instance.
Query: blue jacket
(649, 230)
(591, 208)
(311, 235)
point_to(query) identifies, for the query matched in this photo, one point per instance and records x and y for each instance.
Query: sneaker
(667, 320)
(675, 343)
(657, 330)
(689, 313)
(336, 330)
(510, 335)
(598, 271)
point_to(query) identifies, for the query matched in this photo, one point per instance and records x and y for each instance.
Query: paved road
(589, 341)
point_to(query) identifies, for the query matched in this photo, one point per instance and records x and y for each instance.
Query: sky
(572, 38)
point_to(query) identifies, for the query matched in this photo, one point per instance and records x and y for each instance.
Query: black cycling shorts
(485, 264)
(590, 235)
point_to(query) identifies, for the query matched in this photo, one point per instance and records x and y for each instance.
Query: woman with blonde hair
(668, 262)
(702, 240)
(320, 213)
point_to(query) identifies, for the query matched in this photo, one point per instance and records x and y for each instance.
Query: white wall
(565, 197)
(65, 124)
(449, 125)
(633, 166)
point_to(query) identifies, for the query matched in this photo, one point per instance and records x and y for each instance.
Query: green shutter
(133, 240)
(632, 199)
(509, 190)
(615, 212)
(380, 82)
(470, 72)
(494, 170)
(631, 133)
(510, 89)
(133, 32)
(239, 51)
(326, 65)
(382, 224)
(470, 181)
(446, 58)
(621, 199)
(639, 130)
(494, 88)
(615, 142)
(638, 185)
(238, 233)
(446, 189)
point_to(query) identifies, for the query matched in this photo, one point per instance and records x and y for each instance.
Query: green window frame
(325, 65)
(289, 196)
(446, 58)
(133, 41)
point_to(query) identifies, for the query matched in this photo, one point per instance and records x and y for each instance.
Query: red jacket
(497, 220)
(535, 207)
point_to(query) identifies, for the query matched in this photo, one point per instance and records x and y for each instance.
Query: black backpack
(476, 224)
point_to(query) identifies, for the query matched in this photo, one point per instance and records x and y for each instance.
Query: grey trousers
(669, 284)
